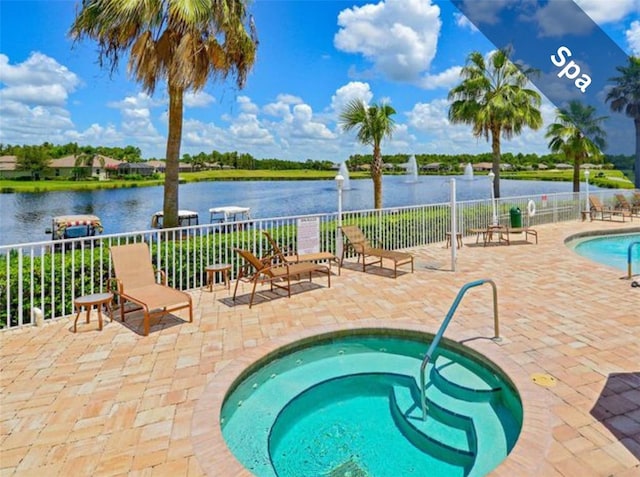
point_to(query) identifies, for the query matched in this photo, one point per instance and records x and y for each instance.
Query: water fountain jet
(412, 170)
(468, 172)
(344, 172)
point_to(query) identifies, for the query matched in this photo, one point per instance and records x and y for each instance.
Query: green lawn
(613, 178)
(608, 178)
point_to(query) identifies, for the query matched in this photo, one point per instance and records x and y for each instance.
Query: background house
(8, 168)
(74, 165)
(141, 168)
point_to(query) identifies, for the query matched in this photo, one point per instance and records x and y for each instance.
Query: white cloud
(486, 12)
(633, 38)
(463, 22)
(42, 95)
(557, 19)
(347, 93)
(303, 125)
(399, 37)
(139, 101)
(97, 134)
(22, 124)
(602, 11)
(33, 100)
(137, 122)
(198, 100)
(246, 105)
(430, 117)
(445, 79)
(37, 70)
(431, 121)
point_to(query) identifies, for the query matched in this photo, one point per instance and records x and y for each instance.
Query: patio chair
(597, 207)
(623, 204)
(276, 251)
(358, 243)
(278, 275)
(135, 279)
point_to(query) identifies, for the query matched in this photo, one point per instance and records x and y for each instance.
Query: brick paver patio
(113, 402)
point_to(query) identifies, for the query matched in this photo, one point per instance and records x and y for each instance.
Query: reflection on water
(24, 217)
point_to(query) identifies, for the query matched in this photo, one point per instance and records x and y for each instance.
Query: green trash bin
(516, 217)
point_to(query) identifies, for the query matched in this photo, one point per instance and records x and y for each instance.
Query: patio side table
(88, 302)
(223, 268)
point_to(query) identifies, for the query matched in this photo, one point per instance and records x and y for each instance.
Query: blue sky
(313, 57)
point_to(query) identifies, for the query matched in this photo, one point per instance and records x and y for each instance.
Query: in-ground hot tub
(348, 403)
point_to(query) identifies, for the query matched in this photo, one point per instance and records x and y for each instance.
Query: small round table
(211, 270)
(88, 302)
(458, 239)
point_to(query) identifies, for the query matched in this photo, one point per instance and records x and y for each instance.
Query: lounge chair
(356, 241)
(597, 207)
(623, 204)
(135, 280)
(276, 251)
(278, 275)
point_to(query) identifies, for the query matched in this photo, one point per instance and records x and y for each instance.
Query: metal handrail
(629, 275)
(443, 327)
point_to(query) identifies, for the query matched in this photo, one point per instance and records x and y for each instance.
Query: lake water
(24, 217)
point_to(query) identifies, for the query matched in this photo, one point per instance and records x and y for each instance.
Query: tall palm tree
(578, 135)
(182, 42)
(625, 96)
(493, 99)
(374, 123)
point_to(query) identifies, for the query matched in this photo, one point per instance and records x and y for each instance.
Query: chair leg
(146, 322)
(235, 289)
(253, 291)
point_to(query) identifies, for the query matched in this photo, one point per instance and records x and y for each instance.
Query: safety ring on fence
(531, 208)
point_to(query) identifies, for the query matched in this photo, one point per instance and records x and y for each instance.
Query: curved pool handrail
(443, 327)
(629, 274)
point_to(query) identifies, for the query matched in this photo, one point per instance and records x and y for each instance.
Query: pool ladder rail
(629, 264)
(443, 327)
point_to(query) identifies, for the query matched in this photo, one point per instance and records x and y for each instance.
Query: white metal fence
(48, 275)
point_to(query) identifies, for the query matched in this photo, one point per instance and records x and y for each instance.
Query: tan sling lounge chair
(278, 275)
(276, 251)
(623, 204)
(605, 213)
(136, 282)
(356, 241)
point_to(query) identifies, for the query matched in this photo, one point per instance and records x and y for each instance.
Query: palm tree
(578, 135)
(625, 96)
(375, 123)
(182, 42)
(493, 99)
(83, 164)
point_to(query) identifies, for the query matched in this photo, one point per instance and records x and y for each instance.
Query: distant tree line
(52, 151)
(37, 158)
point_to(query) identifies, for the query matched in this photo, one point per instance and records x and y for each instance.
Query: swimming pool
(609, 249)
(349, 405)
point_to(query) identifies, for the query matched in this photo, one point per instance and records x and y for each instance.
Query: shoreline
(613, 179)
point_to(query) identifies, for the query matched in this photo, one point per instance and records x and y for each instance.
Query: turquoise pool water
(350, 406)
(610, 249)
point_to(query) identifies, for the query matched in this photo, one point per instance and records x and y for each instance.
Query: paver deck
(114, 402)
